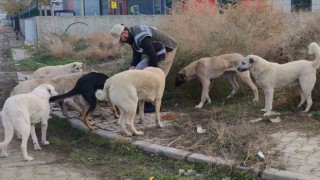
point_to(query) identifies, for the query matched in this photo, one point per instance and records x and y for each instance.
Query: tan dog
(273, 76)
(52, 71)
(206, 69)
(21, 112)
(126, 89)
(62, 84)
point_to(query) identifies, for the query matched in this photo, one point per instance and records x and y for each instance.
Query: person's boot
(149, 107)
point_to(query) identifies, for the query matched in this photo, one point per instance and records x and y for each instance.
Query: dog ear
(251, 60)
(74, 65)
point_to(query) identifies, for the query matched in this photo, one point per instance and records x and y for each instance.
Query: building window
(301, 5)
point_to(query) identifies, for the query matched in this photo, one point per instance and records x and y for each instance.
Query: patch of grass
(102, 155)
(35, 62)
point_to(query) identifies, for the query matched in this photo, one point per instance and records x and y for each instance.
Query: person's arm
(148, 49)
(136, 58)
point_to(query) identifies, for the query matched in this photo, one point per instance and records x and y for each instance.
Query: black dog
(86, 86)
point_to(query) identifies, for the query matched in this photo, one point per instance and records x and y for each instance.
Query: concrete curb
(180, 154)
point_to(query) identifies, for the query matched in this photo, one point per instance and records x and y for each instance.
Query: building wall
(86, 25)
(285, 5)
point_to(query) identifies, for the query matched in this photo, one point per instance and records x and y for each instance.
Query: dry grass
(97, 46)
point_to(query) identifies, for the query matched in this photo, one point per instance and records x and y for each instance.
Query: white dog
(21, 112)
(127, 88)
(209, 68)
(52, 71)
(271, 76)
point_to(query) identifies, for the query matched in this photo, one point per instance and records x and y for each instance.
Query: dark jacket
(150, 41)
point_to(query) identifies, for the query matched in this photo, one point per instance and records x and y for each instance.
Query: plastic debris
(151, 178)
(255, 120)
(200, 130)
(188, 173)
(261, 155)
(275, 120)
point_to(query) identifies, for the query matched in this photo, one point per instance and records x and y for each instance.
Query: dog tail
(9, 130)
(103, 95)
(315, 49)
(63, 96)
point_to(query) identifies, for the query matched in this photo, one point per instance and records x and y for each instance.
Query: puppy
(62, 84)
(206, 69)
(52, 71)
(126, 89)
(86, 86)
(273, 76)
(21, 112)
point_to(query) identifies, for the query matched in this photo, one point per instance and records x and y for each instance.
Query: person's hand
(131, 67)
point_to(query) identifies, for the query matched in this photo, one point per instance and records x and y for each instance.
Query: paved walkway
(45, 165)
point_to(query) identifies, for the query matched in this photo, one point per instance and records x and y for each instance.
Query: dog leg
(303, 98)
(8, 135)
(44, 127)
(130, 121)
(309, 100)
(63, 108)
(141, 111)
(73, 104)
(114, 110)
(234, 84)
(86, 121)
(307, 83)
(158, 119)
(268, 93)
(36, 145)
(122, 122)
(245, 77)
(205, 91)
(25, 132)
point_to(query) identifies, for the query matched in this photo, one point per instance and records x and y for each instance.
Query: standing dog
(86, 86)
(126, 89)
(21, 112)
(52, 71)
(209, 68)
(271, 76)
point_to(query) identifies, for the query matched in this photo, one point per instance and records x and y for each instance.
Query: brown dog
(206, 69)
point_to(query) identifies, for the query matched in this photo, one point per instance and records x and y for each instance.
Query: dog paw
(29, 158)
(264, 110)
(139, 133)
(230, 96)
(266, 114)
(199, 106)
(160, 125)
(255, 99)
(36, 147)
(3, 155)
(128, 133)
(44, 142)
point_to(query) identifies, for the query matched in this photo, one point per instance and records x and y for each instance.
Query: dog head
(77, 67)
(50, 89)
(247, 63)
(180, 78)
(45, 90)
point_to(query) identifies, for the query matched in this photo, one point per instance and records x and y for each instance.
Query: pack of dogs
(127, 91)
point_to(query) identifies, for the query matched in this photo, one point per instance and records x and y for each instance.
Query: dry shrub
(100, 47)
(59, 46)
(202, 31)
(237, 140)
